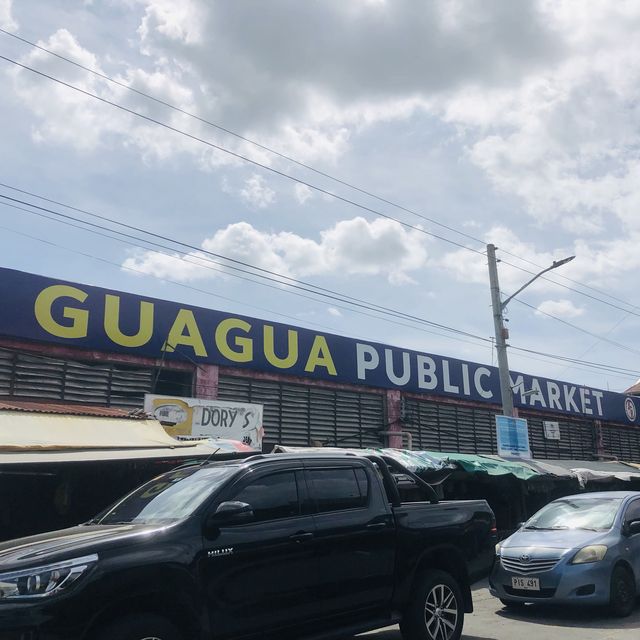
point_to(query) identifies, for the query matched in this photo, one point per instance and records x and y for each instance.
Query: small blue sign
(513, 437)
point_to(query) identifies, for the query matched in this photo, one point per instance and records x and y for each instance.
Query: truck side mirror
(228, 513)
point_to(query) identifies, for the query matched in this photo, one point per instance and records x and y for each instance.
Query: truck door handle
(377, 525)
(302, 536)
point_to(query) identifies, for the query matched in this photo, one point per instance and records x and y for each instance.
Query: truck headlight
(592, 553)
(39, 582)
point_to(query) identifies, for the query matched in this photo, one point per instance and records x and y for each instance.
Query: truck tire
(435, 610)
(622, 600)
(140, 627)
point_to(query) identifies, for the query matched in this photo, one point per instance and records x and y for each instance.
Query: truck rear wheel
(141, 627)
(436, 609)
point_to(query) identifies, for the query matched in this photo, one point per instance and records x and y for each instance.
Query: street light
(498, 307)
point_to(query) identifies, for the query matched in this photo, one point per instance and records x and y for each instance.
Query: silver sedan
(581, 549)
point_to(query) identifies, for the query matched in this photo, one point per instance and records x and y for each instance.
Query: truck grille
(533, 565)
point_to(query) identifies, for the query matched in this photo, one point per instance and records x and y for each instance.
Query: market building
(78, 344)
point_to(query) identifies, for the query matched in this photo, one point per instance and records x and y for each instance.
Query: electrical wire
(205, 266)
(587, 366)
(349, 309)
(307, 166)
(333, 296)
(578, 328)
(239, 156)
(289, 177)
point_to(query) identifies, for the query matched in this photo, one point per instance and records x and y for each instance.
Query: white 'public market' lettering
(368, 359)
(402, 368)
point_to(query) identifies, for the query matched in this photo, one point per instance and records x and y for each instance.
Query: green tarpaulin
(492, 465)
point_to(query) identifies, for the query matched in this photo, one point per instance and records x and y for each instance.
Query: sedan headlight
(39, 582)
(498, 547)
(592, 553)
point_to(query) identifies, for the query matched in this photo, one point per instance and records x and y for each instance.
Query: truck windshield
(584, 513)
(168, 498)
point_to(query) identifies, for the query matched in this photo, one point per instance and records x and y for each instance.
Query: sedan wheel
(623, 592)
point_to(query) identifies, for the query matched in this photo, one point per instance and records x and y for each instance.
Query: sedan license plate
(528, 584)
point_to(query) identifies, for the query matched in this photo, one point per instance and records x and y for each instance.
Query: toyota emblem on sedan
(525, 558)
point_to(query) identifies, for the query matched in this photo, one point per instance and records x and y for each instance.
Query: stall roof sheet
(59, 408)
(492, 465)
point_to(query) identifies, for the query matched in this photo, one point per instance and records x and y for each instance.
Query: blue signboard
(52, 311)
(512, 437)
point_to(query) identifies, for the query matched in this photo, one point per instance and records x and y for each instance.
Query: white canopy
(45, 437)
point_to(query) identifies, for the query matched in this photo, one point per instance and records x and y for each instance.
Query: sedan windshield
(584, 513)
(167, 498)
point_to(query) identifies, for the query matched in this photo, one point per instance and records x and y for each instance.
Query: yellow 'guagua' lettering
(80, 317)
(185, 321)
(270, 353)
(245, 345)
(112, 323)
(320, 356)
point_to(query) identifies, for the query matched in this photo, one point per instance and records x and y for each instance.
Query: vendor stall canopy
(43, 435)
(422, 461)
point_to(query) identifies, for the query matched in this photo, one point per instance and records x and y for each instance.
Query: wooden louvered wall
(30, 377)
(298, 415)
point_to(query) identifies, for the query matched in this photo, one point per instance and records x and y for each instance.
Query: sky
(459, 123)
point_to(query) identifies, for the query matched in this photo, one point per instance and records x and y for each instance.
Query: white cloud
(351, 247)
(257, 193)
(305, 105)
(302, 193)
(334, 312)
(560, 308)
(565, 137)
(178, 21)
(7, 21)
(467, 266)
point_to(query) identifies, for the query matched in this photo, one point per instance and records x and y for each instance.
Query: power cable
(304, 165)
(349, 309)
(287, 176)
(239, 156)
(590, 366)
(580, 329)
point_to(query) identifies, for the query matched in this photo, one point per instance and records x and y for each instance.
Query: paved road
(491, 621)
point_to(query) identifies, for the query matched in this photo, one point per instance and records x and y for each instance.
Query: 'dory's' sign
(208, 418)
(47, 310)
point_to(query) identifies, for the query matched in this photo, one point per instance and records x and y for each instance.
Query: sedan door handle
(377, 525)
(302, 536)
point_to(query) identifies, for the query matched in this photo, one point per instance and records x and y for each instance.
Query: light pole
(498, 322)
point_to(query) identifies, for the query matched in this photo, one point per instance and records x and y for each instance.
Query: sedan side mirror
(632, 527)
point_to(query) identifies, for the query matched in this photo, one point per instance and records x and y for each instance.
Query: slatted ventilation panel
(622, 442)
(449, 427)
(576, 439)
(41, 378)
(297, 415)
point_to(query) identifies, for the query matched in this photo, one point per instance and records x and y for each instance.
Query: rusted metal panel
(56, 351)
(68, 409)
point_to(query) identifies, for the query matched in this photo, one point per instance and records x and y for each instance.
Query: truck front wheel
(140, 627)
(435, 610)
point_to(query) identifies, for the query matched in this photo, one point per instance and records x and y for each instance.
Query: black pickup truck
(293, 546)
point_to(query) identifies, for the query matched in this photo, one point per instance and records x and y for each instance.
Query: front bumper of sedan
(564, 583)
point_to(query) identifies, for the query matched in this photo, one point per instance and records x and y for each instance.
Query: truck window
(273, 496)
(338, 489)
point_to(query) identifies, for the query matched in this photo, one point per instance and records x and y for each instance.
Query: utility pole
(501, 334)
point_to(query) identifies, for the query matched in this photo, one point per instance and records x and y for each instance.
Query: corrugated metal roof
(69, 409)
